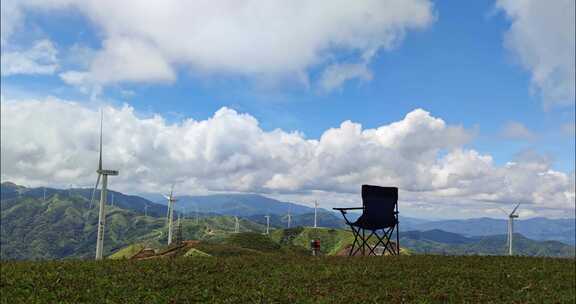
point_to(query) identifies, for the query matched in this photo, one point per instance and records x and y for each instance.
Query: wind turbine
(179, 230)
(171, 201)
(236, 222)
(196, 214)
(236, 225)
(315, 214)
(267, 224)
(104, 173)
(289, 217)
(511, 218)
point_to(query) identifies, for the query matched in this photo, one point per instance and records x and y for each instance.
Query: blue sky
(456, 64)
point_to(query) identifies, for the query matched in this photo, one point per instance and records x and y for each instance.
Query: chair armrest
(352, 208)
(343, 210)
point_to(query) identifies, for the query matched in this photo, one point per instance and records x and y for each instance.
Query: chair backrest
(380, 206)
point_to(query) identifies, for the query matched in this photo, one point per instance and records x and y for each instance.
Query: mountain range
(563, 230)
(63, 225)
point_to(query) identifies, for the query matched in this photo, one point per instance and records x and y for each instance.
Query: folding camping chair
(379, 212)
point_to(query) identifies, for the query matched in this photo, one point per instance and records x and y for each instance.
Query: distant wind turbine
(289, 217)
(267, 224)
(236, 225)
(315, 214)
(511, 218)
(236, 222)
(102, 213)
(171, 201)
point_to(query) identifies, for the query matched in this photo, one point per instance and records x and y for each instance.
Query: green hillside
(442, 242)
(331, 240)
(64, 227)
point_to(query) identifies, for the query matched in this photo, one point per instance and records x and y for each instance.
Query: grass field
(271, 278)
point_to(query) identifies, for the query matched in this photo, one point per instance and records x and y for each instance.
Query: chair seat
(365, 223)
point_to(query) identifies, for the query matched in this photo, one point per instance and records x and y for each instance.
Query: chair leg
(380, 240)
(362, 245)
(385, 240)
(397, 239)
(356, 235)
(363, 242)
(371, 248)
(388, 243)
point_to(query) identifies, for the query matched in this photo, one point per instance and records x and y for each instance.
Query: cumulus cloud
(54, 141)
(256, 38)
(517, 130)
(542, 35)
(41, 58)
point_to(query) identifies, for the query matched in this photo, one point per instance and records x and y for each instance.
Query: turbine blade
(503, 211)
(512, 213)
(100, 150)
(171, 190)
(94, 191)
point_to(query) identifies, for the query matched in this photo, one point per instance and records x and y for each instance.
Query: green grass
(267, 278)
(127, 252)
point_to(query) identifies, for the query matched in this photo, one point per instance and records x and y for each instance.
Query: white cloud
(422, 155)
(256, 38)
(542, 35)
(41, 58)
(517, 130)
(335, 75)
(123, 60)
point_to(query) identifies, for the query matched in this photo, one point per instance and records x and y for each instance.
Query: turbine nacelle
(107, 172)
(169, 197)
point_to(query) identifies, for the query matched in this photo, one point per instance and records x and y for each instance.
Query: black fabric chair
(379, 217)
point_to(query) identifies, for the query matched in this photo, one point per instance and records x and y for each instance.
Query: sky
(467, 106)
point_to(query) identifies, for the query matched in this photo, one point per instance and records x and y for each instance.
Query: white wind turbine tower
(267, 224)
(511, 218)
(236, 225)
(146, 209)
(289, 217)
(171, 201)
(236, 222)
(315, 214)
(104, 173)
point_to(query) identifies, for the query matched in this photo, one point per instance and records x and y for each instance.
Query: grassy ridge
(64, 227)
(293, 279)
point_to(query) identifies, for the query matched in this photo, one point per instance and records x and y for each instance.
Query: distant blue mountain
(254, 206)
(238, 204)
(130, 202)
(563, 230)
